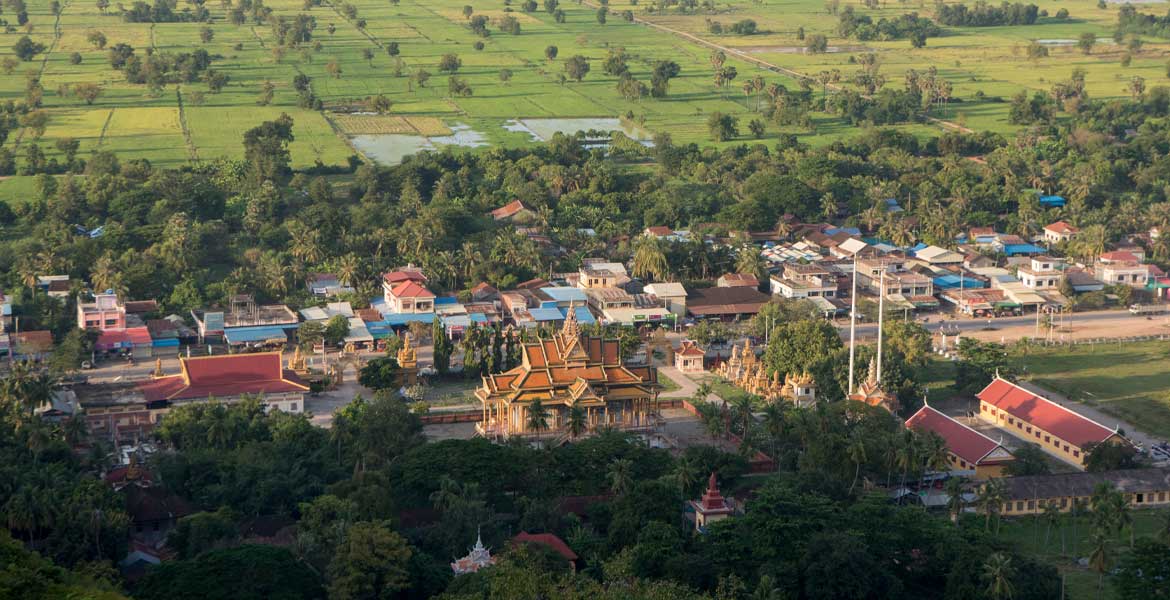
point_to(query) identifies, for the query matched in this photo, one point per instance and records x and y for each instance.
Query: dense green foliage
(986, 15)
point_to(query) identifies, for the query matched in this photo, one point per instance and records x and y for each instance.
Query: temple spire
(571, 329)
(873, 371)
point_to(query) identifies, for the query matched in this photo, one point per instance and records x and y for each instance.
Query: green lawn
(1063, 543)
(1131, 381)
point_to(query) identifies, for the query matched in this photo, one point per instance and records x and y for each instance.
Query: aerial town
(663, 300)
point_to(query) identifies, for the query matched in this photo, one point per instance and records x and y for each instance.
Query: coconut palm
(576, 421)
(74, 430)
(621, 476)
(37, 438)
(991, 499)
(347, 268)
(686, 475)
(1099, 558)
(1051, 517)
(649, 259)
(998, 572)
(955, 501)
(105, 274)
(856, 451)
(219, 428)
(537, 417)
(907, 456)
(749, 261)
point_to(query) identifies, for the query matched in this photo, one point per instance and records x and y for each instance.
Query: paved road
(936, 322)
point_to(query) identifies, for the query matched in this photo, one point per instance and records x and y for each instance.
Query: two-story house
(1042, 273)
(804, 281)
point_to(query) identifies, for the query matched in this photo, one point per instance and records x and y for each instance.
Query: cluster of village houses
(985, 273)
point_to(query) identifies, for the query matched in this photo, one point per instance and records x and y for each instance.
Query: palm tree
(74, 430)
(686, 475)
(907, 457)
(955, 501)
(991, 501)
(576, 421)
(857, 454)
(998, 572)
(1104, 507)
(935, 455)
(219, 429)
(1076, 511)
(105, 274)
(621, 476)
(1123, 516)
(347, 267)
(649, 260)
(702, 391)
(1051, 517)
(1099, 559)
(537, 417)
(748, 260)
(37, 438)
(767, 589)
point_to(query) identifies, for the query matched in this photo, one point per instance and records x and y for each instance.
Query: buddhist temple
(711, 507)
(569, 370)
(747, 372)
(478, 557)
(870, 391)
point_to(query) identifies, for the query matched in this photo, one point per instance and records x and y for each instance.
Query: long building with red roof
(227, 378)
(570, 370)
(1059, 431)
(967, 449)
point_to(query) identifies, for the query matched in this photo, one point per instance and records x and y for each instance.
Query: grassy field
(1131, 381)
(1064, 542)
(991, 60)
(186, 122)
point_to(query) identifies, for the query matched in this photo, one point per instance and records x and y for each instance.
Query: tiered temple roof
(570, 369)
(870, 391)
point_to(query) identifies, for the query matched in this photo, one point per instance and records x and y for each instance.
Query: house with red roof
(1060, 231)
(512, 211)
(967, 449)
(689, 357)
(551, 542)
(227, 378)
(410, 297)
(1059, 431)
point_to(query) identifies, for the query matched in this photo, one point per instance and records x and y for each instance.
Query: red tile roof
(1043, 413)
(1119, 256)
(133, 335)
(1062, 227)
(395, 277)
(223, 376)
(690, 348)
(962, 441)
(410, 289)
(659, 230)
(508, 210)
(549, 540)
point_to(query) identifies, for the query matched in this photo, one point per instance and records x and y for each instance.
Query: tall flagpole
(852, 321)
(881, 316)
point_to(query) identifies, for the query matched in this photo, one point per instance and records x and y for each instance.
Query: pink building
(105, 313)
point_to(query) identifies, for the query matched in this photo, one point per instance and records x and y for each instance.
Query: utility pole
(852, 322)
(881, 317)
